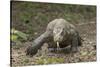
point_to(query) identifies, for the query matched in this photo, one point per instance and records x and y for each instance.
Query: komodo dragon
(59, 34)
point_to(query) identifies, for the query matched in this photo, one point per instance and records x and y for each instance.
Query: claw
(74, 50)
(30, 51)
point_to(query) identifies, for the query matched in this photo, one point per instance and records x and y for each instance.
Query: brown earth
(86, 53)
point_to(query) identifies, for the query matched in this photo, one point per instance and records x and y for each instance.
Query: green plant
(17, 35)
(49, 60)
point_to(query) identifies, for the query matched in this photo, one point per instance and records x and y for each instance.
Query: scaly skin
(58, 30)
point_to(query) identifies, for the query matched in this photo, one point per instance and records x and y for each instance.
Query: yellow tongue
(57, 44)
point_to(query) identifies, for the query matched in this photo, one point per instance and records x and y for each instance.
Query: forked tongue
(58, 46)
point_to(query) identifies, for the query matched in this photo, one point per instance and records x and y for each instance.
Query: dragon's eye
(62, 32)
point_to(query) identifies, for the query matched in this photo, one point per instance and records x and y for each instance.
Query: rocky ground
(86, 53)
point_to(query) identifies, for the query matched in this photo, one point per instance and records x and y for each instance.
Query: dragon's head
(59, 34)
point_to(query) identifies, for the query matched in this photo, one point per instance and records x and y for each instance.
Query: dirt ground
(86, 53)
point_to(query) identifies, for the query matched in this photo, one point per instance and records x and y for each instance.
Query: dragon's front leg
(37, 43)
